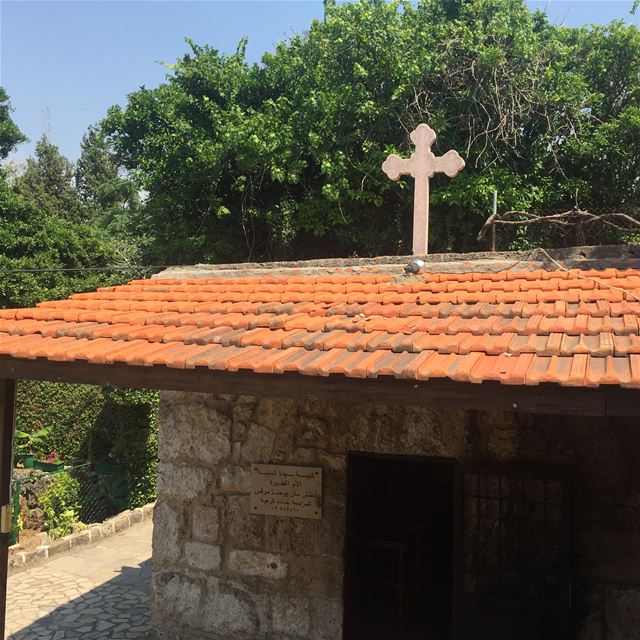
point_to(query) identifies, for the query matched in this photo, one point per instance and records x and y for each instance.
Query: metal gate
(512, 559)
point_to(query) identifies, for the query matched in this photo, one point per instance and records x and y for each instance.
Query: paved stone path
(95, 593)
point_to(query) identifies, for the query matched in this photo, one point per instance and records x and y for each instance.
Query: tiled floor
(96, 593)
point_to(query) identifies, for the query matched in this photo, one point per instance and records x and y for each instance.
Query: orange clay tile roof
(575, 328)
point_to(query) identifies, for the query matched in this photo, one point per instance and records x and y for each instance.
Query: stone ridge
(570, 327)
(596, 257)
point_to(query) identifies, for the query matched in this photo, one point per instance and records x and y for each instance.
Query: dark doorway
(438, 550)
(399, 548)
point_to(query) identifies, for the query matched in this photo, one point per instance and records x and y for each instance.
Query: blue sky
(64, 63)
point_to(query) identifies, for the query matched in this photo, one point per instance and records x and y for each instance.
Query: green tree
(32, 241)
(10, 135)
(283, 158)
(603, 163)
(48, 183)
(95, 169)
(112, 197)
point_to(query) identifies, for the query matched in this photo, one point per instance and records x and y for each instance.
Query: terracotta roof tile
(460, 370)
(578, 328)
(634, 364)
(361, 366)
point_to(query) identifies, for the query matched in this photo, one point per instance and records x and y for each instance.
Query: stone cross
(422, 165)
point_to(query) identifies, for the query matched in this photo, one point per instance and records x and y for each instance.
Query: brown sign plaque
(294, 492)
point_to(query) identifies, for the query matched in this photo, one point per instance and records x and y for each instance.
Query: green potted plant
(27, 445)
(50, 462)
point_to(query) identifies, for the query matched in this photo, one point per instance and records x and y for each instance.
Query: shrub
(61, 504)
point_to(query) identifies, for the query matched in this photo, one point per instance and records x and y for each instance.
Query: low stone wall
(21, 559)
(221, 572)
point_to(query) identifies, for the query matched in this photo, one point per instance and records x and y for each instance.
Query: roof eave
(544, 398)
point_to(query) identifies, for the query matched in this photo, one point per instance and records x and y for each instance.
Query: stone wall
(221, 572)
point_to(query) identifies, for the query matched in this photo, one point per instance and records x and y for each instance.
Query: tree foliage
(64, 228)
(35, 250)
(111, 197)
(10, 135)
(283, 158)
(48, 184)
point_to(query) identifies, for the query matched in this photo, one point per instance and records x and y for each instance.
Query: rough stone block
(329, 532)
(257, 563)
(136, 516)
(262, 602)
(201, 556)
(36, 555)
(227, 610)
(333, 461)
(302, 455)
(147, 511)
(95, 532)
(16, 561)
(503, 444)
(432, 431)
(329, 411)
(283, 447)
(175, 598)
(59, 546)
(235, 479)
(182, 482)
(284, 535)
(244, 529)
(121, 522)
(273, 413)
(242, 411)
(312, 432)
(327, 616)
(291, 615)
(206, 523)
(80, 538)
(258, 445)
(351, 430)
(623, 613)
(194, 432)
(238, 434)
(168, 523)
(318, 576)
(334, 487)
(496, 419)
(387, 433)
